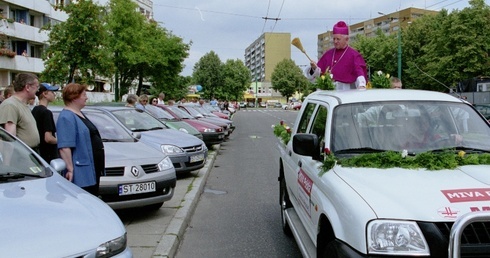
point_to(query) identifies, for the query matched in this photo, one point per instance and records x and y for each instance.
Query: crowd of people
(74, 138)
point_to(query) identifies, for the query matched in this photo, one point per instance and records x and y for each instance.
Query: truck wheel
(285, 203)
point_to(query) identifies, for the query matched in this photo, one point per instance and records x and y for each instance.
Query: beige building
(388, 23)
(261, 58)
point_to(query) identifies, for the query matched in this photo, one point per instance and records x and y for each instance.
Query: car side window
(305, 119)
(319, 124)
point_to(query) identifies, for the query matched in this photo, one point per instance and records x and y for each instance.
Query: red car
(212, 134)
(296, 105)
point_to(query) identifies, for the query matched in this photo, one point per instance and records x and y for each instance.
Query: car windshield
(180, 113)
(413, 126)
(191, 111)
(138, 121)
(109, 129)
(159, 113)
(17, 162)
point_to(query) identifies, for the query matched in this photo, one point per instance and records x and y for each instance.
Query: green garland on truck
(282, 131)
(447, 159)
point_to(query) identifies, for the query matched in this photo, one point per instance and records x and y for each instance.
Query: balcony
(22, 64)
(23, 31)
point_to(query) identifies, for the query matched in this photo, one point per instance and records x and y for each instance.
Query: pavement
(159, 233)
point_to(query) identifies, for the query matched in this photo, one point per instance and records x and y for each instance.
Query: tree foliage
(208, 72)
(237, 78)
(127, 42)
(76, 48)
(288, 78)
(114, 41)
(438, 51)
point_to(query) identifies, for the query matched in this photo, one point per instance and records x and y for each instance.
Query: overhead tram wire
(275, 19)
(267, 14)
(193, 9)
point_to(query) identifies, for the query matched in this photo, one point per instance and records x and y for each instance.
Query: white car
(387, 173)
(44, 215)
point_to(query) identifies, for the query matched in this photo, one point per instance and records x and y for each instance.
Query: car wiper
(17, 175)
(109, 140)
(359, 150)
(156, 128)
(139, 130)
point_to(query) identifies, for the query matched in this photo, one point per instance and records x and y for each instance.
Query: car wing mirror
(307, 145)
(58, 164)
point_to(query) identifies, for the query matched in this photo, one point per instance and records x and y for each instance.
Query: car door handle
(300, 163)
(290, 153)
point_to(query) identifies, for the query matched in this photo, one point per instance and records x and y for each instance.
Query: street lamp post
(399, 51)
(256, 82)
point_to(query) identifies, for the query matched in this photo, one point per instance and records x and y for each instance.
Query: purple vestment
(345, 64)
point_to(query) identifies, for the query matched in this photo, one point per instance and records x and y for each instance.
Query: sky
(229, 27)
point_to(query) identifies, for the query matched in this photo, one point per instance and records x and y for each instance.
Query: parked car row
(145, 150)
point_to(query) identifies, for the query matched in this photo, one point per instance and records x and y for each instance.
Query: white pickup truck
(387, 173)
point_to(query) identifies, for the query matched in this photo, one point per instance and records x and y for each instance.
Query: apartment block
(262, 56)
(21, 41)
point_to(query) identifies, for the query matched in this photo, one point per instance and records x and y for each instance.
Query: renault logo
(135, 171)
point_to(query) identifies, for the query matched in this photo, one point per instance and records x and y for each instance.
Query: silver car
(136, 175)
(187, 152)
(44, 215)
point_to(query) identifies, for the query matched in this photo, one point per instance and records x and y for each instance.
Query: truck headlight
(111, 248)
(396, 237)
(165, 164)
(171, 149)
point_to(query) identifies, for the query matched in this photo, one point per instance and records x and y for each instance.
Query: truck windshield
(414, 126)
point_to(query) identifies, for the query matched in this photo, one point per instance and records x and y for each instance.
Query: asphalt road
(238, 214)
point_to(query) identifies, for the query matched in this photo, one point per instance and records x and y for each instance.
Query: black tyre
(285, 203)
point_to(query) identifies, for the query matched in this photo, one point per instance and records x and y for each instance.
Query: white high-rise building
(21, 41)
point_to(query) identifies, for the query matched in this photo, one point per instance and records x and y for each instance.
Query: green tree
(127, 29)
(444, 49)
(380, 52)
(208, 72)
(288, 78)
(176, 93)
(77, 47)
(237, 78)
(166, 62)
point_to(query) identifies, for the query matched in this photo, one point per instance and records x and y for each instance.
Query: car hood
(420, 194)
(53, 217)
(169, 136)
(130, 153)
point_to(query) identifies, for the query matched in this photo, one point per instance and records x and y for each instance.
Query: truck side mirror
(307, 145)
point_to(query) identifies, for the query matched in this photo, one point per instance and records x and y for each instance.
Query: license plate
(197, 158)
(146, 187)
(221, 136)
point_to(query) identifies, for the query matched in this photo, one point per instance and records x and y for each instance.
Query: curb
(171, 238)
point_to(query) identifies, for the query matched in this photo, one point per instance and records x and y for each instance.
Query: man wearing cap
(346, 66)
(45, 124)
(15, 116)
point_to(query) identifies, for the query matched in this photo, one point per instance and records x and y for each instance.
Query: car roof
(370, 95)
(108, 108)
